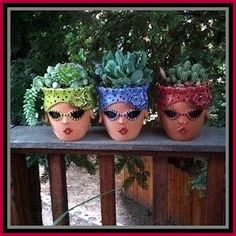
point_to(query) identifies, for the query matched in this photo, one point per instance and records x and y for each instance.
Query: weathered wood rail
(151, 142)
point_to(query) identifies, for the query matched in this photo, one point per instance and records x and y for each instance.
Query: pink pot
(183, 110)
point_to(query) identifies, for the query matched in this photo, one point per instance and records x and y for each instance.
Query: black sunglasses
(191, 115)
(74, 115)
(130, 115)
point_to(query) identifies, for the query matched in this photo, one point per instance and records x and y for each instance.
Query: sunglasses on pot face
(74, 114)
(114, 115)
(191, 114)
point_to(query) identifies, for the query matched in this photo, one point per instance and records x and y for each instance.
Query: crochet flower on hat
(202, 99)
(138, 99)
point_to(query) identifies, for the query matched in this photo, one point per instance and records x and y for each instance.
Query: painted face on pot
(69, 123)
(182, 121)
(122, 121)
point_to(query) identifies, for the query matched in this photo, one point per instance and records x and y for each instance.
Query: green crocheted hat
(83, 97)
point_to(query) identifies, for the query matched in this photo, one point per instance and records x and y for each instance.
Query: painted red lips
(67, 131)
(123, 131)
(182, 130)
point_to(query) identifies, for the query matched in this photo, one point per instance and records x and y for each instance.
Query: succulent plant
(67, 75)
(184, 74)
(123, 70)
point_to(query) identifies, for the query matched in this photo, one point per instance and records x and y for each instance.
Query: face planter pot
(183, 110)
(182, 121)
(123, 101)
(69, 111)
(69, 123)
(122, 121)
(123, 111)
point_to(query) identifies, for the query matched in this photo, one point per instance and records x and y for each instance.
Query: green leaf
(109, 56)
(110, 66)
(120, 58)
(137, 77)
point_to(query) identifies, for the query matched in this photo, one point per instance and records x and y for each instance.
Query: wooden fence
(25, 208)
(185, 204)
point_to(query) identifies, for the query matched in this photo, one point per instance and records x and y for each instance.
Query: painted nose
(182, 119)
(65, 120)
(121, 120)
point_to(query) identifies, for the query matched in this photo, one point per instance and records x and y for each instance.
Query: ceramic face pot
(183, 110)
(123, 111)
(69, 111)
(182, 121)
(122, 121)
(68, 122)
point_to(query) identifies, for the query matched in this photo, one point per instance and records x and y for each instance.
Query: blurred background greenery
(43, 38)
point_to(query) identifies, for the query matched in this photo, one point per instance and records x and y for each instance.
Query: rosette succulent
(123, 70)
(61, 76)
(184, 74)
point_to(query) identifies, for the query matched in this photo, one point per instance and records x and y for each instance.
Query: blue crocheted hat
(136, 96)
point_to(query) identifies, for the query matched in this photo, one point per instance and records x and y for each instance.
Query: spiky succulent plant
(67, 75)
(123, 70)
(184, 74)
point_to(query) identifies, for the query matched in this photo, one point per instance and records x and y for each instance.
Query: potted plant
(69, 97)
(123, 85)
(184, 96)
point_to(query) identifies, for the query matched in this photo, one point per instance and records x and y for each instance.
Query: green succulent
(67, 75)
(184, 74)
(123, 70)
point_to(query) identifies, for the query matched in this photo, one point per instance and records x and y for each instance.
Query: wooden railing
(151, 142)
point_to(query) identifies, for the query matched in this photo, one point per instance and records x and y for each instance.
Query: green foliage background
(42, 38)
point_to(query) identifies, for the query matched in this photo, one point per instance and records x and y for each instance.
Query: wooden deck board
(211, 139)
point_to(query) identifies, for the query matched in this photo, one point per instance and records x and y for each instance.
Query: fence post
(107, 183)
(58, 187)
(20, 194)
(35, 201)
(160, 189)
(214, 201)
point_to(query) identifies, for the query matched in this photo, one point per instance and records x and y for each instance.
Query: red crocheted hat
(200, 96)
